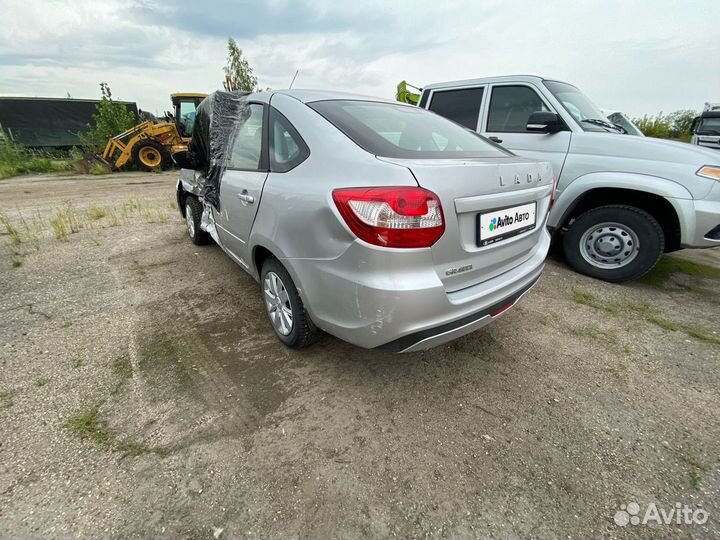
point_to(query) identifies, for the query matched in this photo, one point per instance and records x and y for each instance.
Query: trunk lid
(469, 188)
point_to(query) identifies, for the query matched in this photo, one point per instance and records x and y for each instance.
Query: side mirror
(182, 160)
(544, 122)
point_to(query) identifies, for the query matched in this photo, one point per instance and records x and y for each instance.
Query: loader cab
(185, 106)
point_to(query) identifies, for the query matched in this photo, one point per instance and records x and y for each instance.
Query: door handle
(246, 198)
(495, 139)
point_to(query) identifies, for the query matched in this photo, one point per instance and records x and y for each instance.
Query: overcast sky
(636, 56)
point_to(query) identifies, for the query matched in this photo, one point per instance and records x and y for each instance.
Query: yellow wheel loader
(150, 144)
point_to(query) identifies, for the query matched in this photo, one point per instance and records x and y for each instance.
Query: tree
(238, 71)
(681, 122)
(110, 119)
(675, 125)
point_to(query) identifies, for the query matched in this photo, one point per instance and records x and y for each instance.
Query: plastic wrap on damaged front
(215, 125)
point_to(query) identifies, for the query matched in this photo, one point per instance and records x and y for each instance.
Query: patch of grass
(6, 400)
(697, 466)
(16, 160)
(646, 312)
(138, 268)
(588, 299)
(65, 222)
(41, 382)
(97, 169)
(112, 220)
(691, 330)
(16, 263)
(695, 480)
(89, 425)
(96, 212)
(122, 367)
(12, 233)
(620, 370)
(154, 215)
(77, 362)
(66, 324)
(596, 334)
(668, 265)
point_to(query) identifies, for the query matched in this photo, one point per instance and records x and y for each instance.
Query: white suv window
(511, 106)
(462, 106)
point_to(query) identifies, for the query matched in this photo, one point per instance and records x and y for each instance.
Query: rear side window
(461, 106)
(287, 148)
(401, 131)
(246, 143)
(511, 106)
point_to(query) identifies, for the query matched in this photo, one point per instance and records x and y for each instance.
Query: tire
(149, 155)
(193, 215)
(281, 299)
(614, 243)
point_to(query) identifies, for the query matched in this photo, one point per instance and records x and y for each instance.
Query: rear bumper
(426, 339)
(396, 302)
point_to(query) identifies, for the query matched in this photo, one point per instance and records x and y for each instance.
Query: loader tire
(149, 156)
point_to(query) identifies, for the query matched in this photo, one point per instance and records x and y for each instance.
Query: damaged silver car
(383, 224)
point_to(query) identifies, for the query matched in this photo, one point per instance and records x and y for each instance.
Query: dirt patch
(168, 408)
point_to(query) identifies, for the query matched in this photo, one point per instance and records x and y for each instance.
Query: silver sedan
(383, 224)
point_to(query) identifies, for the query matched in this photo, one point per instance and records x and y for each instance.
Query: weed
(6, 400)
(113, 220)
(96, 212)
(88, 425)
(41, 382)
(698, 467)
(16, 263)
(97, 169)
(12, 233)
(66, 324)
(65, 222)
(59, 228)
(123, 367)
(173, 205)
(695, 480)
(77, 362)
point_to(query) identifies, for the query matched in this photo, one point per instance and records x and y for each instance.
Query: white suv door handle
(246, 198)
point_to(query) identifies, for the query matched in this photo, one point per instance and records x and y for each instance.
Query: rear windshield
(401, 131)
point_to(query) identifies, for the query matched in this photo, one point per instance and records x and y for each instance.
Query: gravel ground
(143, 394)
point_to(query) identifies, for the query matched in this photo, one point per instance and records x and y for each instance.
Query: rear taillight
(396, 217)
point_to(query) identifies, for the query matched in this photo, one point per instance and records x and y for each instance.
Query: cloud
(640, 57)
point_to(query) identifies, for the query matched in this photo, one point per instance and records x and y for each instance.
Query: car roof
(308, 96)
(486, 80)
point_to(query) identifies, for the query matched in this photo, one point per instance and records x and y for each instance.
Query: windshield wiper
(602, 123)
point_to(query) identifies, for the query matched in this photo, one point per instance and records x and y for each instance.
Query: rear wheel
(193, 216)
(284, 307)
(149, 155)
(614, 243)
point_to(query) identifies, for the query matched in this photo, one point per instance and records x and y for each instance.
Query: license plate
(504, 223)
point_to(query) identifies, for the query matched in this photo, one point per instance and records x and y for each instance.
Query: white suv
(621, 200)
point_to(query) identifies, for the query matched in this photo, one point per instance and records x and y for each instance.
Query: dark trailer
(48, 123)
